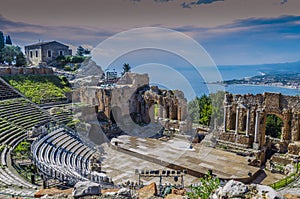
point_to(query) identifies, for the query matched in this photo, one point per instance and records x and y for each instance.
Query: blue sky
(233, 32)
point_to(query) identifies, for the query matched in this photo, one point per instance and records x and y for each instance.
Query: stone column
(257, 121)
(164, 112)
(237, 120)
(248, 121)
(151, 113)
(179, 114)
(225, 118)
(286, 132)
(215, 124)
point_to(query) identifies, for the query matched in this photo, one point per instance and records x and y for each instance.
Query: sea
(239, 72)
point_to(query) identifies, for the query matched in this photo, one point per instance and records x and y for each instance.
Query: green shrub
(39, 88)
(207, 185)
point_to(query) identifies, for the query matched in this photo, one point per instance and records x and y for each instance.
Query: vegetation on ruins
(203, 190)
(68, 60)
(23, 147)
(21, 161)
(41, 89)
(203, 109)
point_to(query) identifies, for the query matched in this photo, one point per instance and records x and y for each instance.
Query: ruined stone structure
(245, 121)
(45, 52)
(11, 70)
(132, 96)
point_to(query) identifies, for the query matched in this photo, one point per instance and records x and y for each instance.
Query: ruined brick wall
(133, 96)
(248, 113)
(11, 70)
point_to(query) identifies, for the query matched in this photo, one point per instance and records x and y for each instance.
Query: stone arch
(278, 115)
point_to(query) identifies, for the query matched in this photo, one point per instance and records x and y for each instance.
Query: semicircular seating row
(17, 115)
(61, 155)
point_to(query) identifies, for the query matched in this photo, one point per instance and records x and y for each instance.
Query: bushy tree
(207, 185)
(217, 100)
(203, 109)
(200, 110)
(82, 51)
(126, 68)
(8, 40)
(12, 54)
(1, 46)
(20, 59)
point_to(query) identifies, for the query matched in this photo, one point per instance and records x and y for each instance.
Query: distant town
(290, 80)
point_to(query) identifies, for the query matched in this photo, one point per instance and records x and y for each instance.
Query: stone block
(52, 192)
(173, 196)
(147, 191)
(86, 188)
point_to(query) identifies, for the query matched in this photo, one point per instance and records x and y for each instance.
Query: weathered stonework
(11, 70)
(246, 114)
(131, 98)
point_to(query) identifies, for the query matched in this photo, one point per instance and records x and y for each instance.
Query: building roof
(45, 43)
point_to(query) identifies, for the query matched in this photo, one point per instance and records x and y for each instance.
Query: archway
(274, 125)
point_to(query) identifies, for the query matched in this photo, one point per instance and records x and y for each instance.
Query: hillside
(40, 89)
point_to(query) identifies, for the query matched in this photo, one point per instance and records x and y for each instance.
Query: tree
(273, 126)
(82, 51)
(8, 40)
(1, 46)
(20, 59)
(217, 100)
(126, 68)
(194, 110)
(11, 53)
(203, 109)
(1, 40)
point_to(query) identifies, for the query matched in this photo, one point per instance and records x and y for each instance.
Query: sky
(233, 32)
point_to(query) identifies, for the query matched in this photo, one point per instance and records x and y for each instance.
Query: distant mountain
(289, 67)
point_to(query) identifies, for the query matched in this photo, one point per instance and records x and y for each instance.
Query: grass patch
(40, 89)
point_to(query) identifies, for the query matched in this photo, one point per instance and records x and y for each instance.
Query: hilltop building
(45, 52)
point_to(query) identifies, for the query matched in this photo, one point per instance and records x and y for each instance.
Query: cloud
(237, 41)
(285, 19)
(25, 33)
(158, 1)
(184, 4)
(199, 2)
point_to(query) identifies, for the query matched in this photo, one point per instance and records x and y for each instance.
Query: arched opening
(274, 125)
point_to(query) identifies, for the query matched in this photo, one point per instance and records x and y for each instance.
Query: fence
(285, 181)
